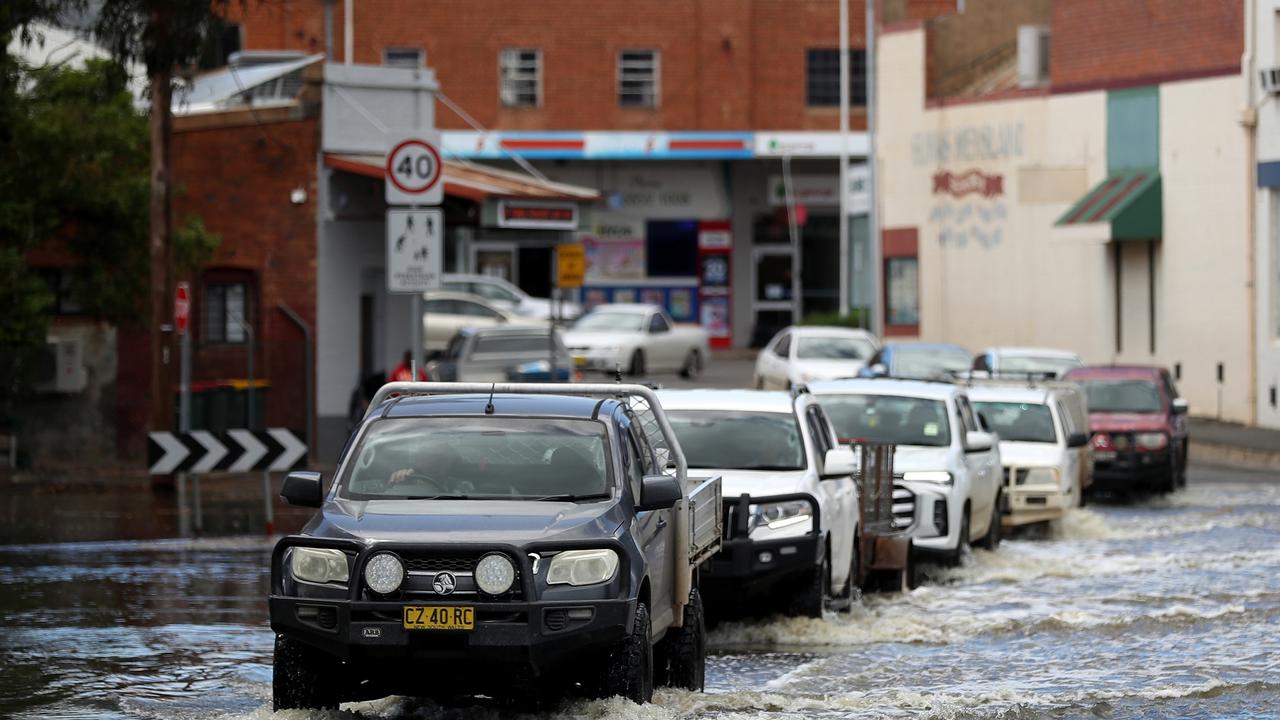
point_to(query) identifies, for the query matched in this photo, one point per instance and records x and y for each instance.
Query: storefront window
(903, 291)
(672, 249)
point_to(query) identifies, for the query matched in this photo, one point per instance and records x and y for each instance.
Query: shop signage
(571, 266)
(859, 189)
(973, 182)
(809, 144)
(968, 144)
(537, 216)
(414, 170)
(415, 248)
(812, 190)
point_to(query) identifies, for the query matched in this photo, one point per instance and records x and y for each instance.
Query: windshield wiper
(565, 497)
(436, 497)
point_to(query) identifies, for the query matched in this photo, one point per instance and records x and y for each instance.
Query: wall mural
(970, 208)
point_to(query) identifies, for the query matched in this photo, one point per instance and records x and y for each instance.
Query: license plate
(438, 617)
(1104, 456)
(579, 361)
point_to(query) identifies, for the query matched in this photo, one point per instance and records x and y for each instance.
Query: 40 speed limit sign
(414, 170)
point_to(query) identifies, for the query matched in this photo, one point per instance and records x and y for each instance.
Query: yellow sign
(571, 266)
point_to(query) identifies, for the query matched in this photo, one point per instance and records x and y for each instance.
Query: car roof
(1005, 393)
(1112, 371)
(504, 404)
(827, 330)
(626, 307)
(740, 400)
(925, 346)
(885, 386)
(1031, 352)
(476, 277)
(506, 330)
(455, 295)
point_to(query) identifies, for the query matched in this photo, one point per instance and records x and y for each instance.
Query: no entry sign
(181, 307)
(414, 169)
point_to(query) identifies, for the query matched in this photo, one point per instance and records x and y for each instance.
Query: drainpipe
(328, 30)
(1249, 121)
(308, 373)
(348, 36)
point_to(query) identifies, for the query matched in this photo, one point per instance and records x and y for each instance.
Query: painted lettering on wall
(968, 144)
(969, 208)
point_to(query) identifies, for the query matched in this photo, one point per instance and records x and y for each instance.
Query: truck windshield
(889, 419)
(928, 363)
(1132, 396)
(611, 321)
(1037, 364)
(738, 440)
(469, 458)
(1019, 422)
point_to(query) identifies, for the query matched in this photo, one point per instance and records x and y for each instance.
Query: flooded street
(1164, 608)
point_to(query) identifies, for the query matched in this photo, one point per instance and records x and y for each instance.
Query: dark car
(918, 360)
(503, 354)
(496, 543)
(1138, 425)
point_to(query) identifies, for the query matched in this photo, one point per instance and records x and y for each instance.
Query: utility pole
(844, 156)
(873, 215)
(161, 237)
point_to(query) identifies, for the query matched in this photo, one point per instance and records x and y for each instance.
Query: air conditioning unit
(61, 366)
(1270, 80)
(1033, 55)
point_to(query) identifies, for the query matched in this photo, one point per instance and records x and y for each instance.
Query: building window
(902, 290)
(226, 313)
(62, 286)
(822, 77)
(638, 78)
(403, 57)
(521, 77)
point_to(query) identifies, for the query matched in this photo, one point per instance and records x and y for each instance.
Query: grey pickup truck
(496, 540)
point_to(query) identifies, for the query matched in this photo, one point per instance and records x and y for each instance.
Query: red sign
(182, 307)
(972, 182)
(551, 216)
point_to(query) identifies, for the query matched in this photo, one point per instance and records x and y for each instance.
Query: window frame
(857, 77)
(223, 280)
(517, 74)
(654, 95)
(419, 52)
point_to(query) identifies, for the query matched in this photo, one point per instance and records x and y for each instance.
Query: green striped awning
(1130, 201)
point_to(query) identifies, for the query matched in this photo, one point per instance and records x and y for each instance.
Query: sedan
(799, 355)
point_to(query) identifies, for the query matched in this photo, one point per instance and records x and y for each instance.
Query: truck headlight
(383, 573)
(1041, 476)
(495, 574)
(788, 518)
(582, 567)
(318, 565)
(1151, 441)
(941, 477)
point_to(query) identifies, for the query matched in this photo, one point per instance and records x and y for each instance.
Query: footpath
(1232, 445)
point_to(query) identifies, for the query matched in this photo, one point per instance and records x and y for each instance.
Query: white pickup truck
(638, 338)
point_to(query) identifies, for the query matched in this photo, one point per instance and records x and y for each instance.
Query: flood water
(1165, 608)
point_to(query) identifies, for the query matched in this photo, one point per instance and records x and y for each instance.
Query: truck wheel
(628, 670)
(637, 363)
(962, 541)
(849, 593)
(991, 540)
(692, 365)
(303, 677)
(682, 654)
(810, 601)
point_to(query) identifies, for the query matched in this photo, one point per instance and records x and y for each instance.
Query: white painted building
(1262, 101)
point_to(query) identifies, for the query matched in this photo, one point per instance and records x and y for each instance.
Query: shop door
(496, 259)
(534, 269)
(775, 295)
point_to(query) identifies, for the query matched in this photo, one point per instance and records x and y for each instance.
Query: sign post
(571, 272)
(181, 320)
(415, 238)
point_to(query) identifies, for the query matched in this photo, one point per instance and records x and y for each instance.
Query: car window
(493, 291)
(1036, 365)
(1019, 422)
(456, 286)
(631, 458)
(888, 419)
(657, 323)
(833, 348)
(967, 417)
(782, 346)
(455, 346)
(512, 344)
(929, 363)
(472, 309)
(1069, 426)
(818, 430)
(739, 440)
(1169, 387)
(1126, 396)
(610, 321)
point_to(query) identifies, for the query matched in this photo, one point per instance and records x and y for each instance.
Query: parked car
(637, 338)
(446, 312)
(802, 354)
(791, 505)
(1039, 449)
(917, 360)
(508, 296)
(945, 457)
(1139, 427)
(473, 542)
(1029, 361)
(503, 354)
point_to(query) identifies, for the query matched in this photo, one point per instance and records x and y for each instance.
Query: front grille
(904, 507)
(440, 563)
(1015, 476)
(422, 567)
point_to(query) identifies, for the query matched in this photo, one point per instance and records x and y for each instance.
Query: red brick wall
(1101, 43)
(726, 64)
(239, 180)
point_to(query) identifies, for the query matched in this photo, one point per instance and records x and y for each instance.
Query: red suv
(1139, 427)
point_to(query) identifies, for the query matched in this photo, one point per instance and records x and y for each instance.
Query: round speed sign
(413, 169)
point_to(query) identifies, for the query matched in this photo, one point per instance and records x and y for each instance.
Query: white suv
(791, 505)
(943, 455)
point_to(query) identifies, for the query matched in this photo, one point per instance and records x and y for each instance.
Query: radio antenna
(488, 408)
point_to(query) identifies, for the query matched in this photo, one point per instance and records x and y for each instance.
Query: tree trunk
(161, 246)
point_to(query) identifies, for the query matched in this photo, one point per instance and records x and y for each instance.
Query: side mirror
(838, 463)
(1077, 439)
(1180, 406)
(303, 488)
(659, 492)
(977, 441)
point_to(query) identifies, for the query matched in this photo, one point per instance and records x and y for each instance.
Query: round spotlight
(495, 574)
(383, 573)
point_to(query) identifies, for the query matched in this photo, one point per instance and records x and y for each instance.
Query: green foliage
(24, 304)
(193, 245)
(857, 318)
(162, 34)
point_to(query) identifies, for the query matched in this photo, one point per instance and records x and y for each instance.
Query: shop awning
(473, 181)
(1129, 202)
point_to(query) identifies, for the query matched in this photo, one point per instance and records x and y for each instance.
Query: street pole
(873, 214)
(184, 426)
(844, 156)
(416, 321)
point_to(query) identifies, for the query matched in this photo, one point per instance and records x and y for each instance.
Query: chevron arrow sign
(200, 451)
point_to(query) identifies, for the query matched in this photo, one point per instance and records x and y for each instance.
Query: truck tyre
(682, 654)
(628, 669)
(637, 363)
(810, 601)
(991, 540)
(692, 365)
(962, 541)
(851, 586)
(303, 678)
